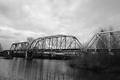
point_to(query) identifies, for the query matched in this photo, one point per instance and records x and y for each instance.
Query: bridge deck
(53, 53)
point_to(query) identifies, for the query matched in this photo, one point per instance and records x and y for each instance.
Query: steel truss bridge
(65, 46)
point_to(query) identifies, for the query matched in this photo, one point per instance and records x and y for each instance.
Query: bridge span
(65, 46)
(56, 46)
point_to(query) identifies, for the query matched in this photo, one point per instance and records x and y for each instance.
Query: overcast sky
(20, 19)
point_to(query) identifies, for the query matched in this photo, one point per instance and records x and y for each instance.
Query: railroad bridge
(56, 45)
(64, 46)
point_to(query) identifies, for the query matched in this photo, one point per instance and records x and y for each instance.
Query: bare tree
(30, 39)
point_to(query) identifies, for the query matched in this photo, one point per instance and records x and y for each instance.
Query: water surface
(21, 69)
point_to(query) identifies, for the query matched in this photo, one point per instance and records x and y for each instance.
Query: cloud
(42, 15)
(10, 33)
(24, 18)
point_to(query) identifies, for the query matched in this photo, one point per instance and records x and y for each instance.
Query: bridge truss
(56, 42)
(105, 42)
(19, 46)
(66, 45)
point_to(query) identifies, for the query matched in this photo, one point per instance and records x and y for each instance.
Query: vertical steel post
(60, 42)
(56, 42)
(52, 43)
(65, 42)
(49, 42)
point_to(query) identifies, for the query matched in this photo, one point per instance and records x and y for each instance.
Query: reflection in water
(21, 69)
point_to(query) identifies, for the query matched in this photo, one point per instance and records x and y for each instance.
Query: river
(44, 69)
(22, 69)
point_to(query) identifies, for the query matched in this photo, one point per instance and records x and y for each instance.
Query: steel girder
(56, 42)
(19, 46)
(105, 40)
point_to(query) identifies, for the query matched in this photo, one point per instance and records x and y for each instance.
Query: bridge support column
(28, 55)
(9, 56)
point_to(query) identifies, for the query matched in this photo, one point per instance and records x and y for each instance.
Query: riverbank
(97, 66)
